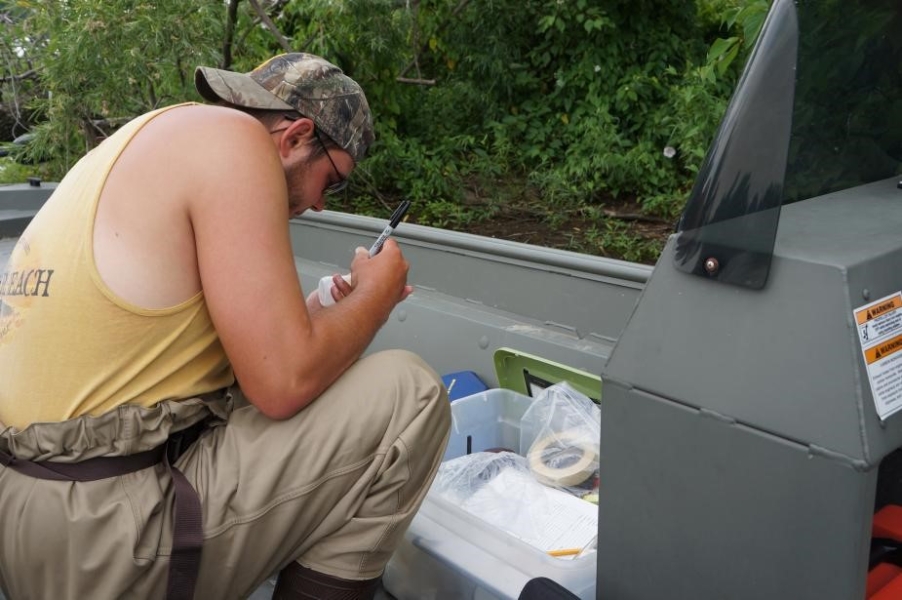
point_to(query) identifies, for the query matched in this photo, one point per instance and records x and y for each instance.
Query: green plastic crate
(528, 374)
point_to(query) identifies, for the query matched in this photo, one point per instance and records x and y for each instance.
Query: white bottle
(325, 289)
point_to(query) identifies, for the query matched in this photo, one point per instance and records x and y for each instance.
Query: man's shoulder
(190, 150)
(201, 137)
(204, 120)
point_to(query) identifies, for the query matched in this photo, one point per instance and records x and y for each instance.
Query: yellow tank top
(68, 345)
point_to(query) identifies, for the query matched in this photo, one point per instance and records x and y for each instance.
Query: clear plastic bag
(461, 477)
(500, 489)
(560, 438)
(490, 486)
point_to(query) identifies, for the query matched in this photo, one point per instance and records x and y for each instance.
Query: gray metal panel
(778, 359)
(785, 359)
(18, 204)
(590, 297)
(845, 228)
(452, 334)
(13, 222)
(6, 249)
(697, 507)
(24, 197)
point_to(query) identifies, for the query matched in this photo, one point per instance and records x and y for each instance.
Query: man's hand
(384, 274)
(341, 286)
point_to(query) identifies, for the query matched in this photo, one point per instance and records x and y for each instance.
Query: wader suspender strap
(188, 532)
(187, 537)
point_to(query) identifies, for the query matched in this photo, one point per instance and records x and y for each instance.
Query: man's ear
(296, 136)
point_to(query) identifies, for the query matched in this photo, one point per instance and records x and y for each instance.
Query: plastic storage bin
(449, 554)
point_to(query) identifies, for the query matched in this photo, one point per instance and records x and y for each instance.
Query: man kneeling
(179, 419)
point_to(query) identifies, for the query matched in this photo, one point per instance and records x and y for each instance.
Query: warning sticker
(879, 327)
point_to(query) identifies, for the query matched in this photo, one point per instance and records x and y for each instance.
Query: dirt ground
(615, 228)
(581, 232)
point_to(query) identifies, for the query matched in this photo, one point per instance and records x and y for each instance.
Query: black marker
(392, 223)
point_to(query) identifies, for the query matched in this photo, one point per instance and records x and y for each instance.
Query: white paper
(544, 517)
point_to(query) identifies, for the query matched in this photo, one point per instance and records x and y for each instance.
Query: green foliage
(617, 240)
(100, 63)
(16, 172)
(589, 97)
(578, 100)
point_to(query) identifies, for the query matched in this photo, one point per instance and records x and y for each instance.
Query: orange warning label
(883, 350)
(872, 312)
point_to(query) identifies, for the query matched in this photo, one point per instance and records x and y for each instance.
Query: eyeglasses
(342, 182)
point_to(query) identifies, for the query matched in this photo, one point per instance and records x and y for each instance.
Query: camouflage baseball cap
(298, 82)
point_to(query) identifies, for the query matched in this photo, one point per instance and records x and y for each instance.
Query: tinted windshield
(818, 109)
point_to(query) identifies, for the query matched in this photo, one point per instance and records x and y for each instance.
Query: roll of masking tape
(558, 446)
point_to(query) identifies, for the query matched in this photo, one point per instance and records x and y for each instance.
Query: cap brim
(235, 88)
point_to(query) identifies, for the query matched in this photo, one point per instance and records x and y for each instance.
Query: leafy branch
(271, 26)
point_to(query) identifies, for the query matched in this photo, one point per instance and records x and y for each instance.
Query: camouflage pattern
(303, 83)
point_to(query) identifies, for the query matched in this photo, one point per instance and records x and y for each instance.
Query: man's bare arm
(282, 356)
